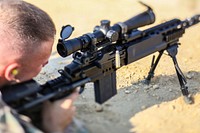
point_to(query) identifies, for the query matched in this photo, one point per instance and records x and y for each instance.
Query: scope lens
(68, 47)
(61, 50)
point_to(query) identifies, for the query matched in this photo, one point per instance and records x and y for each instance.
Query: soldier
(27, 36)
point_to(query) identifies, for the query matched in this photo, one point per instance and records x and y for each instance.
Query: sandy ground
(169, 117)
(137, 107)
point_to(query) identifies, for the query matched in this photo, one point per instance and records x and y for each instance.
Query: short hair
(31, 24)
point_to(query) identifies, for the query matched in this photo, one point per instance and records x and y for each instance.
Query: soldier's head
(26, 39)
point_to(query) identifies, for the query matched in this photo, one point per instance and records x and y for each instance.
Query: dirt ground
(137, 108)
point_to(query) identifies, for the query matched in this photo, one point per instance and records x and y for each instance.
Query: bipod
(172, 51)
(153, 67)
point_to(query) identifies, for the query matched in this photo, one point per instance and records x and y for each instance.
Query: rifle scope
(102, 32)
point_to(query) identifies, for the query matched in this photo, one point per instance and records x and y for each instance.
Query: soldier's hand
(58, 115)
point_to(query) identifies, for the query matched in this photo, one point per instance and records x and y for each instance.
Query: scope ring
(123, 27)
(93, 38)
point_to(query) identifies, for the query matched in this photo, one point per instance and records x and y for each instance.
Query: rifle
(98, 55)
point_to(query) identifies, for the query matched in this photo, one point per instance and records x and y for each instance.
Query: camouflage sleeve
(8, 123)
(12, 122)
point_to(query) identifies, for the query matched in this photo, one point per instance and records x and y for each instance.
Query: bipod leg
(153, 67)
(172, 51)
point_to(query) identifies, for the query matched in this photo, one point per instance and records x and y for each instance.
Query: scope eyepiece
(66, 48)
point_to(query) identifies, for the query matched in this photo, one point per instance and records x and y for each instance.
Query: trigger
(82, 88)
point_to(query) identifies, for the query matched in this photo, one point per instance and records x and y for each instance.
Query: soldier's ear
(11, 72)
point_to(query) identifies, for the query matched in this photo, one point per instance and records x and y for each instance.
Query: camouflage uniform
(11, 122)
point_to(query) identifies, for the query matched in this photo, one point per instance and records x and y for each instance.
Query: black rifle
(98, 55)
